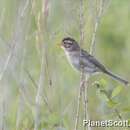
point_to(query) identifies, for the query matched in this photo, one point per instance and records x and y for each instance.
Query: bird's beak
(62, 46)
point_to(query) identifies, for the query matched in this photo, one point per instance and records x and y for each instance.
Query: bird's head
(69, 44)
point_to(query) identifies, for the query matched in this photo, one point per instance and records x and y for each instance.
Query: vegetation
(38, 88)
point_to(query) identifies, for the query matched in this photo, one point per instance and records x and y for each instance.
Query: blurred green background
(38, 88)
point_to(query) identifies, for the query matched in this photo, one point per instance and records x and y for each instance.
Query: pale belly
(74, 62)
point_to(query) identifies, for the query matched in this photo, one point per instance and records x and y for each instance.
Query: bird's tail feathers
(125, 82)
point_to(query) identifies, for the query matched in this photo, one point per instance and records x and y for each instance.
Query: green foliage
(116, 91)
(34, 34)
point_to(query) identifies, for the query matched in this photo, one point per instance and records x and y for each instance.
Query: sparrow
(82, 60)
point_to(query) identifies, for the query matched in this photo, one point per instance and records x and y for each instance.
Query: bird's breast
(74, 60)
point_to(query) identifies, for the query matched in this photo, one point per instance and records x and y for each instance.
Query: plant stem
(78, 108)
(97, 21)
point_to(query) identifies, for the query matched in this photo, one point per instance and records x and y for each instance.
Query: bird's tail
(125, 82)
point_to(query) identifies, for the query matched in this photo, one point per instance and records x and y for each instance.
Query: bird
(80, 59)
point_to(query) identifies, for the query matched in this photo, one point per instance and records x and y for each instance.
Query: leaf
(103, 82)
(111, 103)
(116, 91)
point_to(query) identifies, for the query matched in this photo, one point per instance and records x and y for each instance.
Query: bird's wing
(91, 61)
